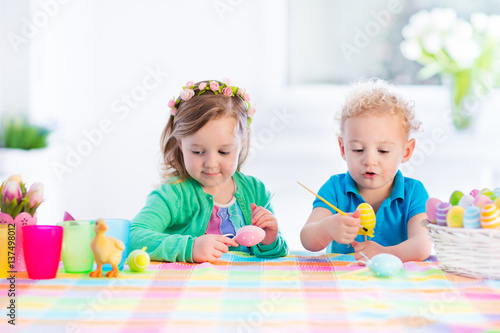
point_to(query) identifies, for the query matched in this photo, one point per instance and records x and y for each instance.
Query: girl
(205, 196)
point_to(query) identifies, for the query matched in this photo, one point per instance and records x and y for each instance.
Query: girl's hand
(264, 219)
(369, 249)
(211, 247)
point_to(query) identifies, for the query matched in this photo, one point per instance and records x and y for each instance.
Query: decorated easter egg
(454, 218)
(250, 235)
(489, 193)
(466, 201)
(490, 216)
(496, 190)
(367, 216)
(497, 202)
(474, 193)
(471, 217)
(455, 197)
(138, 260)
(442, 212)
(431, 208)
(384, 264)
(480, 200)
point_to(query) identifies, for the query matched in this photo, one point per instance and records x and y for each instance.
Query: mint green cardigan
(176, 213)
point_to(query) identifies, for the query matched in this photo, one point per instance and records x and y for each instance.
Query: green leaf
(429, 71)
(18, 132)
(33, 210)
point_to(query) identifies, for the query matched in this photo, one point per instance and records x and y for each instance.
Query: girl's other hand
(264, 219)
(211, 247)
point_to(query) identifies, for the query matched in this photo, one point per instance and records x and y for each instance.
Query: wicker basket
(468, 252)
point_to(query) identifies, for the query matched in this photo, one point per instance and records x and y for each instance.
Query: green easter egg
(455, 197)
(138, 260)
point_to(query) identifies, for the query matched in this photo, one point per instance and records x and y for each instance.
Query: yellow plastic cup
(4, 264)
(76, 253)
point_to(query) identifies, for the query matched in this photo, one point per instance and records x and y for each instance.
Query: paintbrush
(329, 204)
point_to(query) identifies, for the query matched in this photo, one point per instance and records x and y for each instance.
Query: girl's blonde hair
(376, 97)
(191, 116)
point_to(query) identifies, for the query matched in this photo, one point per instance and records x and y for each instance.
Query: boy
(375, 124)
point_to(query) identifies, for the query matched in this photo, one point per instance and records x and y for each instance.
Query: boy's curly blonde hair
(376, 97)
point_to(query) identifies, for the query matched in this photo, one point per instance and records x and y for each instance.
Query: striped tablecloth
(241, 293)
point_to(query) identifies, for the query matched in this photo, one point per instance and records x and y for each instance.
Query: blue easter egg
(471, 217)
(384, 264)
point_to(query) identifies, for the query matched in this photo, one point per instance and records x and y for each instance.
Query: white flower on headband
(225, 89)
(186, 94)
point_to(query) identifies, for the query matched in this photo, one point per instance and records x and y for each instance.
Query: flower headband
(225, 89)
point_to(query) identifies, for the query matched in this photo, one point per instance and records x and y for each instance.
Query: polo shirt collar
(350, 184)
(398, 190)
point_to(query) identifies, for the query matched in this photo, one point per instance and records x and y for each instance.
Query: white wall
(91, 55)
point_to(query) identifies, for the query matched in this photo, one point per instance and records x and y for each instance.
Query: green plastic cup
(76, 253)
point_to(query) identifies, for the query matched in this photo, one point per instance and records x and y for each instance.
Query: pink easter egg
(482, 200)
(250, 235)
(442, 212)
(431, 208)
(474, 192)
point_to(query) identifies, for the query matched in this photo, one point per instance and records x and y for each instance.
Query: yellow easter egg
(490, 216)
(367, 217)
(497, 202)
(455, 217)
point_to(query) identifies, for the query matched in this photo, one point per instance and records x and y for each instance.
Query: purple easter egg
(442, 212)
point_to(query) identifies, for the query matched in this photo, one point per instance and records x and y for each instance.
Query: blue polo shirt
(407, 199)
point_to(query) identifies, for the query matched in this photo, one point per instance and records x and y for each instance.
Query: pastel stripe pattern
(242, 293)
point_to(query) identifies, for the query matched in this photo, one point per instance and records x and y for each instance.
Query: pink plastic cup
(42, 250)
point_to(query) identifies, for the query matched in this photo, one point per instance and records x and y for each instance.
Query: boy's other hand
(369, 249)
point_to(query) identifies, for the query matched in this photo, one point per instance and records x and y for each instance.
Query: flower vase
(465, 101)
(21, 220)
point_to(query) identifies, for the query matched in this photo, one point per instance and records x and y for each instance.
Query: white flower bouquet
(468, 52)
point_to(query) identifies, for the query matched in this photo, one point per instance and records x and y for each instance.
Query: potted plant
(18, 208)
(21, 144)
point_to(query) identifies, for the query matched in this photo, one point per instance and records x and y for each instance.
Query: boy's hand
(210, 247)
(264, 219)
(369, 249)
(343, 229)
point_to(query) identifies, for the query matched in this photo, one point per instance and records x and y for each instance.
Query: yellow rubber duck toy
(107, 250)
